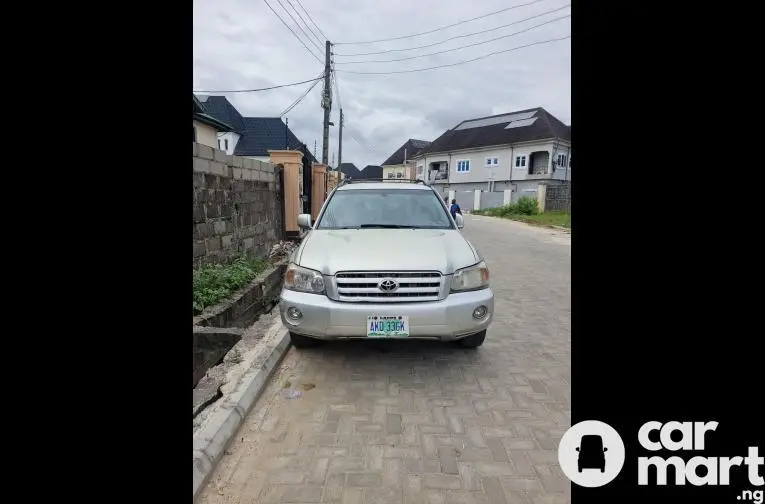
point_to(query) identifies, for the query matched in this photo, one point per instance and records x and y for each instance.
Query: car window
(409, 208)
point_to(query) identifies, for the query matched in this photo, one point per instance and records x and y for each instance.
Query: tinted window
(410, 208)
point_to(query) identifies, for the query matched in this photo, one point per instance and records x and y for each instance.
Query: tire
(300, 341)
(472, 341)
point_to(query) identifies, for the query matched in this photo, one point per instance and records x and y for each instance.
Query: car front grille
(368, 287)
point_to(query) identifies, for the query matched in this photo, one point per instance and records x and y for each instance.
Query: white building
(513, 151)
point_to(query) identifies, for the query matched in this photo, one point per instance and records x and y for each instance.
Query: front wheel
(300, 341)
(473, 341)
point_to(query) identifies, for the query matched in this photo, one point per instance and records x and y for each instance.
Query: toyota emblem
(388, 285)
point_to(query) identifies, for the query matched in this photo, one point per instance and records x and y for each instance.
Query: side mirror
(605, 449)
(460, 221)
(304, 221)
(577, 448)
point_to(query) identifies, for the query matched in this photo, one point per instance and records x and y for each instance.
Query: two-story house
(400, 164)
(513, 151)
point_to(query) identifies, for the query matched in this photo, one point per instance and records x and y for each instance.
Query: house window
(399, 175)
(562, 160)
(390, 175)
(520, 161)
(463, 166)
(219, 143)
(226, 143)
(195, 134)
(492, 161)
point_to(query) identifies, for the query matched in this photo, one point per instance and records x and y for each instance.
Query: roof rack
(349, 180)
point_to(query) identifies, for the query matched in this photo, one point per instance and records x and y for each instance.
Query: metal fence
(558, 198)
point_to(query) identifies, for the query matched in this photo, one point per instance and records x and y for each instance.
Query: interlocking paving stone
(421, 422)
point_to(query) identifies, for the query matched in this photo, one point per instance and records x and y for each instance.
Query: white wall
(232, 138)
(563, 172)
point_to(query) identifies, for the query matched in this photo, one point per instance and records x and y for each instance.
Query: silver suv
(386, 260)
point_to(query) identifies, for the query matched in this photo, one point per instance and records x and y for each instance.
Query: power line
(458, 62)
(299, 25)
(456, 36)
(459, 48)
(311, 19)
(441, 28)
(302, 96)
(304, 22)
(293, 32)
(260, 89)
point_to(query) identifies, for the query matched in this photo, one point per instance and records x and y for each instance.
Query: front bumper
(449, 319)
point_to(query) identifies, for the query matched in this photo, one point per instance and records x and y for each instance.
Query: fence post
(541, 197)
(452, 195)
(507, 197)
(477, 199)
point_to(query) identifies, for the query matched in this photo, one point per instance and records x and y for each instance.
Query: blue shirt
(455, 209)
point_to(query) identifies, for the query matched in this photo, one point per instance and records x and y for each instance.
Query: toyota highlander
(385, 260)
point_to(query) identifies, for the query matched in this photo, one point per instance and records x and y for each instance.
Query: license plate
(394, 326)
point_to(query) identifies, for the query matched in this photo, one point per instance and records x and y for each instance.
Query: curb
(221, 427)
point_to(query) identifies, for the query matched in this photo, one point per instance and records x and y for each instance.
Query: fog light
(480, 312)
(293, 313)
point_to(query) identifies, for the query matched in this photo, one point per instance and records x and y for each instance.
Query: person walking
(455, 209)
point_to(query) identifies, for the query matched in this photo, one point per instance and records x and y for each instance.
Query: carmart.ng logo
(591, 454)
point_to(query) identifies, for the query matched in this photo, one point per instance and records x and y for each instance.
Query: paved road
(416, 423)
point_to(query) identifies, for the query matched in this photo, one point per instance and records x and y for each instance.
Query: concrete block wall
(558, 198)
(237, 206)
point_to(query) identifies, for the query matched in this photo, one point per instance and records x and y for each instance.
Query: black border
(98, 99)
(664, 315)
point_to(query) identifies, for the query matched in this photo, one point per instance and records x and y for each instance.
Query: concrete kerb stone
(211, 441)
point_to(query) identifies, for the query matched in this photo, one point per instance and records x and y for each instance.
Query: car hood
(330, 251)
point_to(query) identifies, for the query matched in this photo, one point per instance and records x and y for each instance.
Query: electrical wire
(456, 36)
(305, 23)
(458, 48)
(293, 32)
(301, 97)
(441, 28)
(459, 62)
(311, 19)
(260, 89)
(299, 25)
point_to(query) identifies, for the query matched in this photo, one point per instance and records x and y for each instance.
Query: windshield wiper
(383, 226)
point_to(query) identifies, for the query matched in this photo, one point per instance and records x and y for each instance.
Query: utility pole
(326, 103)
(340, 146)
(333, 159)
(286, 136)
(314, 148)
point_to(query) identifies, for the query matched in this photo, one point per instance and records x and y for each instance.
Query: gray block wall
(237, 206)
(558, 198)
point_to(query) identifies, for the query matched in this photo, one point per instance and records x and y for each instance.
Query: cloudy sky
(241, 44)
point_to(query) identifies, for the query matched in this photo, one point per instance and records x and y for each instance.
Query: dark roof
(199, 113)
(368, 172)
(371, 172)
(350, 170)
(491, 130)
(411, 146)
(258, 134)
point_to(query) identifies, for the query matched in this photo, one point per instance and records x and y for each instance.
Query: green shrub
(216, 282)
(526, 206)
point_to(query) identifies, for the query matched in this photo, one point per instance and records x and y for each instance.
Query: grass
(214, 283)
(525, 210)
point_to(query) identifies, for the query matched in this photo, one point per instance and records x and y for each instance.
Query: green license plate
(393, 326)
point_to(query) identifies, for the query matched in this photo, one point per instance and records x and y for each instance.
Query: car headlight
(302, 279)
(472, 278)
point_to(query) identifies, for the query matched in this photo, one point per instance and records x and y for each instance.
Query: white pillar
(507, 196)
(477, 199)
(541, 197)
(452, 195)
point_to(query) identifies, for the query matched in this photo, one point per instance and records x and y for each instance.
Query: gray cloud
(240, 44)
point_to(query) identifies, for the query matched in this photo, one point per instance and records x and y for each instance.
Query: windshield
(385, 208)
